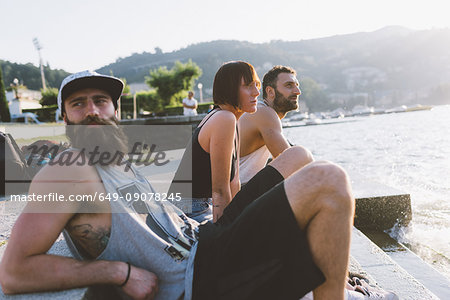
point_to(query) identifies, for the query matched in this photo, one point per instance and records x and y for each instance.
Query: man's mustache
(95, 120)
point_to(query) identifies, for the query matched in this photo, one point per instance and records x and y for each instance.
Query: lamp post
(200, 86)
(134, 107)
(41, 66)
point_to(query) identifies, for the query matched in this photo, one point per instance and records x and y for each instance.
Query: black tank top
(199, 161)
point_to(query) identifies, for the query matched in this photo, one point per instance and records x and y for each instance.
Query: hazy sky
(88, 34)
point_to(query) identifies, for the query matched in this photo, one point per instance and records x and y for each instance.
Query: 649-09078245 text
(56, 197)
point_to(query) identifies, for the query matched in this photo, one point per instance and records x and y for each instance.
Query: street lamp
(41, 65)
(200, 86)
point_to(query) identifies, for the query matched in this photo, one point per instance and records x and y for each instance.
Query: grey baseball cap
(89, 79)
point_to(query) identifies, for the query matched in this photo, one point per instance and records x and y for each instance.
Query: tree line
(390, 63)
(29, 75)
(167, 88)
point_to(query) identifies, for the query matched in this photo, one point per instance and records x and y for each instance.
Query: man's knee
(319, 187)
(291, 160)
(333, 180)
(304, 155)
(297, 155)
(330, 172)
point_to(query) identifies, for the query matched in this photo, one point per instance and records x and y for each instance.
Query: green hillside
(30, 75)
(393, 65)
(392, 60)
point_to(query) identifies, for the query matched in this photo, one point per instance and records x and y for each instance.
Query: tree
(49, 97)
(4, 108)
(169, 83)
(126, 87)
(316, 99)
(148, 100)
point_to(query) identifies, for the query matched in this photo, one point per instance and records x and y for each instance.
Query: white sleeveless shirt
(254, 162)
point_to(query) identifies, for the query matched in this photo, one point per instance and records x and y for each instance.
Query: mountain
(391, 62)
(393, 65)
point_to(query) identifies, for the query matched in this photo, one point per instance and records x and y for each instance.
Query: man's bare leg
(291, 160)
(321, 199)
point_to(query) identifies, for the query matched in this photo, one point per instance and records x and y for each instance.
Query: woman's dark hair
(228, 80)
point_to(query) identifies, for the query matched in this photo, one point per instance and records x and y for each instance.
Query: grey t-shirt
(153, 235)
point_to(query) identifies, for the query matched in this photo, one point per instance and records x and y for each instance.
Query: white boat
(397, 109)
(418, 107)
(299, 117)
(361, 110)
(337, 113)
(315, 121)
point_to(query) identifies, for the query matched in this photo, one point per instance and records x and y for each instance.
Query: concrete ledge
(388, 274)
(379, 207)
(59, 248)
(168, 120)
(76, 294)
(366, 259)
(414, 265)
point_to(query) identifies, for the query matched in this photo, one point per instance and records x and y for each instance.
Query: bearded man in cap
(88, 101)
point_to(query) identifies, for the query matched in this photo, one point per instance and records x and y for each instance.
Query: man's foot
(353, 275)
(362, 290)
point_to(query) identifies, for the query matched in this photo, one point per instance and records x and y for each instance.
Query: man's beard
(282, 104)
(105, 138)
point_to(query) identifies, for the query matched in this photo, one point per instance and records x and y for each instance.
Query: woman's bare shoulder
(223, 117)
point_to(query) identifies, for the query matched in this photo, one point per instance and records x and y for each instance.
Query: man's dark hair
(228, 80)
(271, 77)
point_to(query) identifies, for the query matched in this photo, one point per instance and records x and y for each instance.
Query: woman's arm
(235, 184)
(221, 143)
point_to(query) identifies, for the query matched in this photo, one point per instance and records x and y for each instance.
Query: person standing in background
(190, 105)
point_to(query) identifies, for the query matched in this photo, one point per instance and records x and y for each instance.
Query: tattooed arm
(91, 239)
(26, 267)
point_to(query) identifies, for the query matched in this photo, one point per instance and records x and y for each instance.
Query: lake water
(408, 151)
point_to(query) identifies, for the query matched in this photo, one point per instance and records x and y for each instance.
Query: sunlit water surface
(408, 151)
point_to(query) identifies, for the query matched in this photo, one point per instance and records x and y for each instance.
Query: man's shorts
(256, 249)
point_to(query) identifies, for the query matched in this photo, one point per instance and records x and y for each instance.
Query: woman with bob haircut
(214, 147)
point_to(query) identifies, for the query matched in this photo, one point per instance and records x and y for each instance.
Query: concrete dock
(366, 259)
(378, 208)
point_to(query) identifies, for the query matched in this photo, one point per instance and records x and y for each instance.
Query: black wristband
(128, 275)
